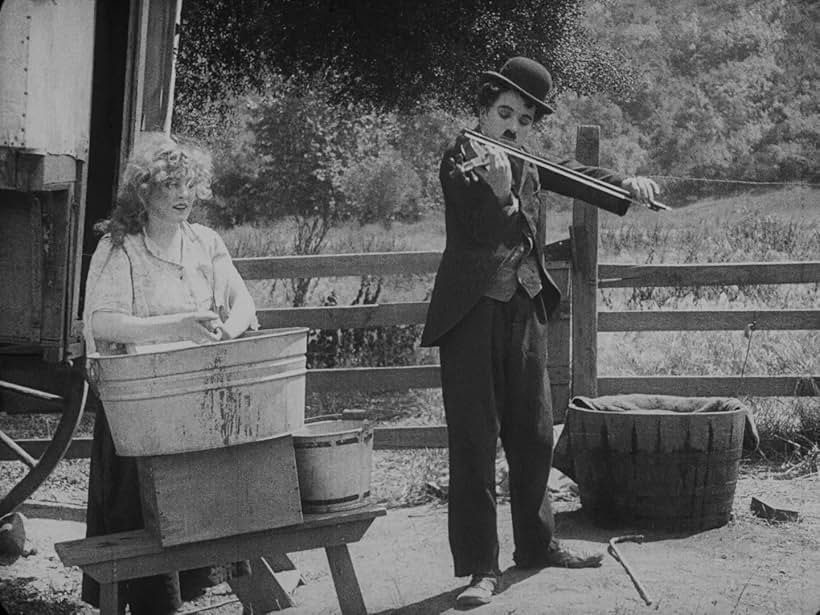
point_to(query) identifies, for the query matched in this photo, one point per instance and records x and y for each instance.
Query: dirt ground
(749, 566)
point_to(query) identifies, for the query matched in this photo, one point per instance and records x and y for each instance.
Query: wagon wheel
(73, 404)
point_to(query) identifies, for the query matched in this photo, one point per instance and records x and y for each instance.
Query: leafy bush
(620, 145)
(384, 189)
(298, 139)
(301, 148)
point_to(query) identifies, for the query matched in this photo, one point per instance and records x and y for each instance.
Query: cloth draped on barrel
(649, 404)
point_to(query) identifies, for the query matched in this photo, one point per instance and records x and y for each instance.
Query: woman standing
(154, 277)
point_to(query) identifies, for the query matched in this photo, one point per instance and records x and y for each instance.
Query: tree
(394, 52)
(727, 90)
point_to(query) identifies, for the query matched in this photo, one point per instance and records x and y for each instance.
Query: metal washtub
(204, 397)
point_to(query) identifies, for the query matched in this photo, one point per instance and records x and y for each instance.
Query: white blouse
(138, 279)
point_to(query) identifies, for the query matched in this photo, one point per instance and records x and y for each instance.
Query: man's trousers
(495, 383)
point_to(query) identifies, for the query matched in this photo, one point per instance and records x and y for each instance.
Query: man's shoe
(479, 591)
(561, 557)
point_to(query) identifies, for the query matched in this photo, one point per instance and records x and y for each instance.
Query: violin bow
(575, 176)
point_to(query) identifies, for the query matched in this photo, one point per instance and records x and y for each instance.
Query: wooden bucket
(333, 461)
(204, 397)
(664, 470)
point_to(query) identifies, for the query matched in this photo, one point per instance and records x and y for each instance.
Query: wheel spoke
(15, 448)
(73, 406)
(17, 388)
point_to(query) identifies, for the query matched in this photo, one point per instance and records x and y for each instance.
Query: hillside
(800, 205)
(722, 90)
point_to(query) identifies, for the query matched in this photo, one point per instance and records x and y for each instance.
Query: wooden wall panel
(19, 268)
(46, 59)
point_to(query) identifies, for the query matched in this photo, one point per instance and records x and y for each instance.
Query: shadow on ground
(19, 597)
(445, 601)
(434, 605)
(578, 525)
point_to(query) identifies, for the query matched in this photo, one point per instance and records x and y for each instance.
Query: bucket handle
(356, 414)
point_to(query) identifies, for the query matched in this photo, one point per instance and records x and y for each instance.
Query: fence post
(584, 236)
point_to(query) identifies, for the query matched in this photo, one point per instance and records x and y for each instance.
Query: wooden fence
(573, 334)
(611, 276)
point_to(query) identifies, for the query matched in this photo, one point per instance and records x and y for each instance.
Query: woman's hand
(199, 327)
(641, 188)
(228, 330)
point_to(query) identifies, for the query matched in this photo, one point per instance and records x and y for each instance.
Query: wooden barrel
(664, 470)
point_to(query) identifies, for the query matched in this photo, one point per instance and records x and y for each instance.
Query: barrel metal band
(347, 498)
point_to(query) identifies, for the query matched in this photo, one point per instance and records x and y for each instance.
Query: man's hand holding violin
(641, 188)
(488, 164)
(495, 172)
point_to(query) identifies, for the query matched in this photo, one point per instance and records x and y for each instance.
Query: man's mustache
(509, 135)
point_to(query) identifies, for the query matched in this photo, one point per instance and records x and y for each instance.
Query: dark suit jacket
(480, 234)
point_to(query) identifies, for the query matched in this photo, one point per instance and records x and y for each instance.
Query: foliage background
(327, 121)
(336, 111)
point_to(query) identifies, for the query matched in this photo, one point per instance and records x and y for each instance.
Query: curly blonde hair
(156, 157)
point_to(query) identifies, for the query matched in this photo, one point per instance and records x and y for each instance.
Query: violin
(593, 191)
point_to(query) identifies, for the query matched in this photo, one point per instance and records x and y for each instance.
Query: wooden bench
(128, 555)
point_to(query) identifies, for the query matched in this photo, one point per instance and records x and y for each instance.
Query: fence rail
(333, 265)
(609, 275)
(409, 437)
(709, 320)
(712, 274)
(387, 314)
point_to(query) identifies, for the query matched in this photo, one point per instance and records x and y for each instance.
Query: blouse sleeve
(227, 281)
(108, 287)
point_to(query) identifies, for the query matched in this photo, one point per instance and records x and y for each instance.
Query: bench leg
(260, 591)
(280, 562)
(344, 578)
(110, 599)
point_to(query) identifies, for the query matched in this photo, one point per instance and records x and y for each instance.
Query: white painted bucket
(204, 397)
(333, 461)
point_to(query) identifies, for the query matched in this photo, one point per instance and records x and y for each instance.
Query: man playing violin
(488, 316)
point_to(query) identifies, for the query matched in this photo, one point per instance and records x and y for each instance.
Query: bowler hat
(528, 78)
